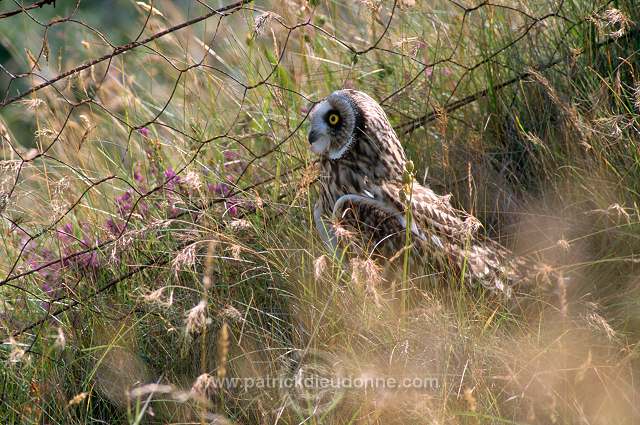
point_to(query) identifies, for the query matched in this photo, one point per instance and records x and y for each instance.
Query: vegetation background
(156, 193)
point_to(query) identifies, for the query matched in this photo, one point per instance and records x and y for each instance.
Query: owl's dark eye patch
(333, 118)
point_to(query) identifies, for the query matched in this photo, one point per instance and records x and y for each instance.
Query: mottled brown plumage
(362, 191)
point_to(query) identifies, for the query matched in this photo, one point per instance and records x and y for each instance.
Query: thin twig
(125, 48)
(416, 123)
(35, 5)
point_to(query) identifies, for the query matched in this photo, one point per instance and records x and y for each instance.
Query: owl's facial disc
(332, 124)
(320, 133)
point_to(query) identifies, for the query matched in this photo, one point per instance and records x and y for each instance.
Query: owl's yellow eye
(334, 119)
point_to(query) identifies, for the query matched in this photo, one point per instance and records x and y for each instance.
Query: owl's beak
(318, 141)
(313, 136)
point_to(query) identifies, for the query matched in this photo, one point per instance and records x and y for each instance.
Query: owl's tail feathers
(517, 278)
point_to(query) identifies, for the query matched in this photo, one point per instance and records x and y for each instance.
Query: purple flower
(249, 206)
(114, 228)
(89, 260)
(47, 256)
(124, 202)
(137, 176)
(51, 274)
(233, 206)
(230, 155)
(233, 210)
(143, 207)
(124, 198)
(169, 174)
(219, 188)
(28, 244)
(144, 131)
(171, 177)
(172, 211)
(65, 233)
(86, 235)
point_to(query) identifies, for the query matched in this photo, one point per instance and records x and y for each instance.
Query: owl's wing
(441, 236)
(376, 222)
(451, 237)
(372, 222)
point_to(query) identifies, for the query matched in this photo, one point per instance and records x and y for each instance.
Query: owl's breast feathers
(440, 236)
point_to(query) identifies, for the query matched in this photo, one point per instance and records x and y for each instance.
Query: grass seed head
(319, 266)
(197, 319)
(223, 350)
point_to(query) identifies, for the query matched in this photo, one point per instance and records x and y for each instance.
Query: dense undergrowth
(157, 229)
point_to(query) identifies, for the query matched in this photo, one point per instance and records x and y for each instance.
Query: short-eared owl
(364, 181)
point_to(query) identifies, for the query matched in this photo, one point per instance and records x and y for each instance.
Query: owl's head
(349, 121)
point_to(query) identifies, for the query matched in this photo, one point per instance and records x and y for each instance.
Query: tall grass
(175, 183)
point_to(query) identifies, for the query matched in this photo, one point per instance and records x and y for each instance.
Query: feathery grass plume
(340, 231)
(197, 320)
(609, 20)
(231, 313)
(442, 119)
(472, 403)
(192, 181)
(156, 297)
(32, 104)
(204, 386)
(620, 212)
(239, 224)
(77, 399)
(17, 353)
(564, 245)
(319, 266)
(186, 257)
(570, 114)
(600, 324)
(309, 175)
(236, 250)
(147, 389)
(61, 340)
(368, 275)
(261, 23)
